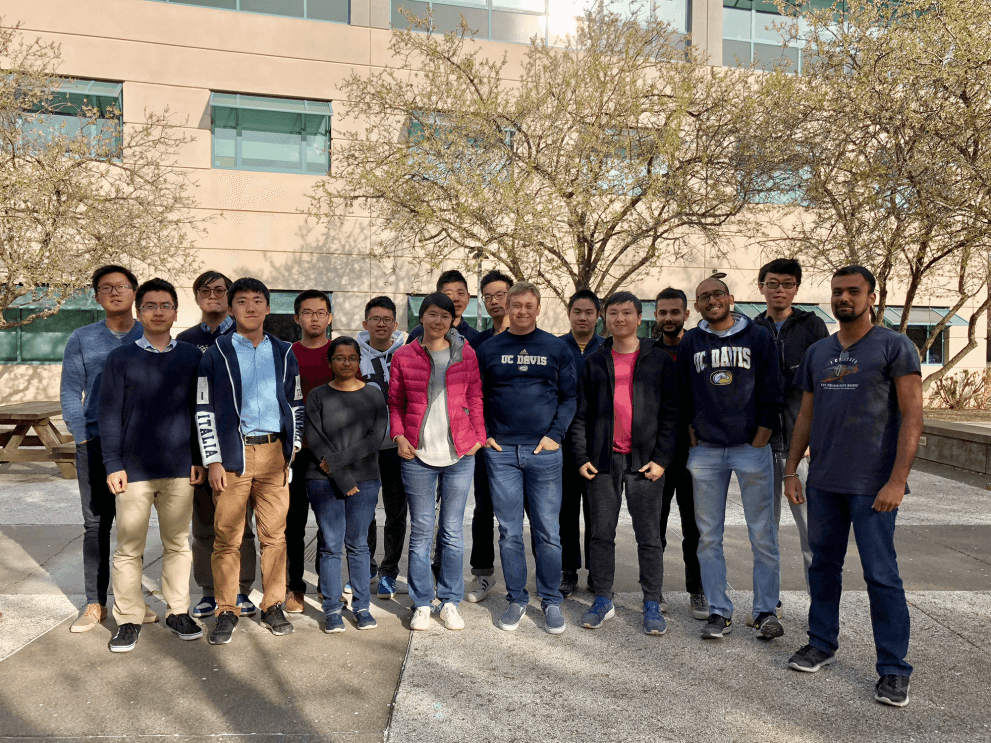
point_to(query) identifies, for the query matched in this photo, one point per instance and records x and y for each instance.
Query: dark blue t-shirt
(855, 416)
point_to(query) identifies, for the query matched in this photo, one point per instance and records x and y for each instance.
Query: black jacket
(655, 408)
(799, 331)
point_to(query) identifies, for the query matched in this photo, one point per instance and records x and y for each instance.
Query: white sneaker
(479, 588)
(450, 617)
(421, 619)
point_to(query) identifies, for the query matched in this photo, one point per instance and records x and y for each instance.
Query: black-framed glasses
(772, 284)
(345, 359)
(497, 296)
(718, 294)
(321, 314)
(375, 320)
(115, 288)
(165, 307)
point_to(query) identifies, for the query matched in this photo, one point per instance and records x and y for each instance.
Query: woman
(345, 424)
(435, 417)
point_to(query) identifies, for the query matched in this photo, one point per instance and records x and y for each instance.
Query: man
(379, 340)
(728, 370)
(794, 330)
(670, 314)
(583, 341)
(210, 289)
(249, 414)
(313, 315)
(495, 286)
(454, 285)
(862, 414)
(528, 382)
(146, 428)
(623, 438)
(85, 354)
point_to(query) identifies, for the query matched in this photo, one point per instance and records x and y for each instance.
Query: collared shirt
(144, 343)
(259, 397)
(221, 329)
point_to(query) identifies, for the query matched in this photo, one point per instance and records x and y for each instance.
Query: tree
(890, 165)
(78, 188)
(584, 166)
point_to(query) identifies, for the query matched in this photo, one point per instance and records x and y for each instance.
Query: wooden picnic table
(48, 444)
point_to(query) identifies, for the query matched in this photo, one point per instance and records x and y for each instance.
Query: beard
(673, 333)
(849, 314)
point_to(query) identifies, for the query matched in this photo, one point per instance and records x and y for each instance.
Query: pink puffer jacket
(409, 381)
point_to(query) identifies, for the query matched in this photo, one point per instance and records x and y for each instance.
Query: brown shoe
(294, 603)
(92, 615)
(150, 616)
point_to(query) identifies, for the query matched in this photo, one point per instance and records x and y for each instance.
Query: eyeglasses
(345, 359)
(165, 307)
(711, 295)
(498, 296)
(319, 314)
(772, 285)
(376, 320)
(218, 292)
(115, 288)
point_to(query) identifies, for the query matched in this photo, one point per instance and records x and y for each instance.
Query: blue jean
(343, 521)
(422, 483)
(710, 467)
(830, 517)
(514, 473)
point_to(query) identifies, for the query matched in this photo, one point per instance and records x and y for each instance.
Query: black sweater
(655, 408)
(346, 429)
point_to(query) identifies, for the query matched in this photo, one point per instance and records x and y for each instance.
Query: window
(277, 135)
(921, 321)
(338, 11)
(280, 322)
(42, 341)
(71, 109)
(749, 34)
(752, 309)
(413, 313)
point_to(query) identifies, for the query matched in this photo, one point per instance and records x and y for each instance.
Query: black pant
(394, 502)
(643, 500)
(299, 512)
(482, 523)
(574, 501)
(99, 510)
(677, 480)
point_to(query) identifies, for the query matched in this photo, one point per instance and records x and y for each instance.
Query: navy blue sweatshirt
(203, 339)
(730, 384)
(146, 412)
(529, 387)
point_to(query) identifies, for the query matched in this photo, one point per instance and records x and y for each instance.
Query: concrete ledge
(963, 445)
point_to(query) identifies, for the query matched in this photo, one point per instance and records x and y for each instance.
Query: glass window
(749, 34)
(338, 11)
(281, 322)
(328, 10)
(42, 341)
(471, 313)
(291, 8)
(518, 27)
(72, 108)
(919, 334)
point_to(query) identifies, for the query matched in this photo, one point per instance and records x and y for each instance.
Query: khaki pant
(173, 499)
(265, 486)
(204, 512)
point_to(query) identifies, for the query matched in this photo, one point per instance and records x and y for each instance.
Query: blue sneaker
(512, 617)
(247, 608)
(653, 620)
(602, 609)
(334, 623)
(365, 620)
(387, 587)
(554, 620)
(206, 608)
(347, 588)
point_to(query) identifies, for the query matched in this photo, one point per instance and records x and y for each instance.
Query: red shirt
(314, 368)
(622, 441)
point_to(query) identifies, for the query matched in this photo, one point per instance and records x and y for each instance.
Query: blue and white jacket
(218, 403)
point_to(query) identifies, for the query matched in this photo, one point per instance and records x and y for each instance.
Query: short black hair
(492, 276)
(786, 266)
(248, 285)
(309, 294)
(344, 340)
(672, 293)
(104, 270)
(585, 294)
(208, 277)
(622, 298)
(156, 285)
(441, 301)
(453, 276)
(382, 302)
(712, 278)
(858, 271)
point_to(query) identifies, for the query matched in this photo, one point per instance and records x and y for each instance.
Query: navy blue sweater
(203, 339)
(146, 412)
(730, 384)
(529, 387)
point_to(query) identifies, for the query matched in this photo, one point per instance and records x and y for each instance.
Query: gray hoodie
(375, 366)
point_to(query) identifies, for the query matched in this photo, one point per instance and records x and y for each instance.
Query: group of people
(231, 432)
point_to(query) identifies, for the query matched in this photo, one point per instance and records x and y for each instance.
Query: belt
(268, 438)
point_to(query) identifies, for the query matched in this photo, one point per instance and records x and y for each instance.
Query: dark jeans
(394, 503)
(99, 509)
(830, 517)
(678, 484)
(299, 512)
(482, 558)
(643, 500)
(574, 502)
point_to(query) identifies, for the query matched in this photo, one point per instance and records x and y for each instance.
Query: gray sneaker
(700, 606)
(479, 588)
(511, 618)
(554, 620)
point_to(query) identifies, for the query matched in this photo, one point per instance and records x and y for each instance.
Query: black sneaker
(809, 659)
(891, 690)
(184, 626)
(274, 618)
(569, 584)
(716, 626)
(221, 634)
(768, 626)
(126, 638)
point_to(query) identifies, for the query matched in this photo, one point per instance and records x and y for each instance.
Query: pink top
(622, 441)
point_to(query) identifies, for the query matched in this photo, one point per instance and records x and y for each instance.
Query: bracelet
(793, 474)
